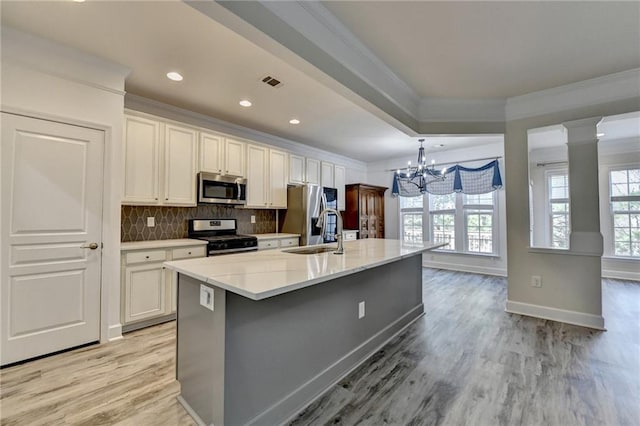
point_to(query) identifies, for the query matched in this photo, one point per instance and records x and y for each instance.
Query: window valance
(457, 178)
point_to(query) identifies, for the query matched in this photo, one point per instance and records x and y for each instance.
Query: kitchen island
(285, 327)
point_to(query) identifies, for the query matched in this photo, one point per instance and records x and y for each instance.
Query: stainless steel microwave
(215, 188)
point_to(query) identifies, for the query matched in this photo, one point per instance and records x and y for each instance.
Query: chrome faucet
(320, 223)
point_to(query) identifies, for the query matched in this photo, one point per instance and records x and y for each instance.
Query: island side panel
(283, 351)
(200, 351)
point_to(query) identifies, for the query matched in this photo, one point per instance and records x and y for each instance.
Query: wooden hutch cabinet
(365, 209)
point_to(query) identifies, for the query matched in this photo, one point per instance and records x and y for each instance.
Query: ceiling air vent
(272, 81)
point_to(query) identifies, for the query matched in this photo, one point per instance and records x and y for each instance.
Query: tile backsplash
(171, 222)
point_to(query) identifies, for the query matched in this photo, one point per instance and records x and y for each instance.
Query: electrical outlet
(536, 281)
(151, 221)
(361, 310)
(253, 219)
(206, 297)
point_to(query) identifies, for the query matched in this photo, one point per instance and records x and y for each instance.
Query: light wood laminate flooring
(466, 362)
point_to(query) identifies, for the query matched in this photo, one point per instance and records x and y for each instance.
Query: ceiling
(495, 49)
(453, 49)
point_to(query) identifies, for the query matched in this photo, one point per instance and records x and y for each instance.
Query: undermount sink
(310, 250)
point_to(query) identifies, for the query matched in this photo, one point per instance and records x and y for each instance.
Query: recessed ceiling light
(600, 135)
(245, 103)
(174, 76)
(441, 145)
(294, 121)
(79, 1)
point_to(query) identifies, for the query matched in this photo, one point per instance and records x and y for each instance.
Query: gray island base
(260, 362)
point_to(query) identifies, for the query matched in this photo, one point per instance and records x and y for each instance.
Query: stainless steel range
(222, 236)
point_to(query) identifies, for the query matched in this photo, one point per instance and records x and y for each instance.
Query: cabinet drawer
(268, 244)
(350, 236)
(187, 252)
(146, 256)
(289, 242)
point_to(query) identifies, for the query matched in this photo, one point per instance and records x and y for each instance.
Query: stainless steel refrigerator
(304, 204)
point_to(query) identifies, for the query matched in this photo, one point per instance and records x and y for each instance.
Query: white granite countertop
(275, 236)
(261, 274)
(160, 244)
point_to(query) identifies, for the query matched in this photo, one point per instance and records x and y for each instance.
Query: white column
(583, 186)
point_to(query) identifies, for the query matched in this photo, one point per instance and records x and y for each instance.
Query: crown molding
(170, 112)
(608, 88)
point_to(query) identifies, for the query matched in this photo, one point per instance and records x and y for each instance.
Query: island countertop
(262, 274)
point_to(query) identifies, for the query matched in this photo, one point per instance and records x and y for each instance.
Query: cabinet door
(141, 160)
(234, 157)
(277, 179)
(339, 179)
(257, 176)
(180, 166)
(171, 284)
(211, 153)
(327, 175)
(145, 292)
(296, 169)
(313, 171)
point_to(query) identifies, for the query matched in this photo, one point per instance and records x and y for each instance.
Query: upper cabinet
(159, 163)
(297, 169)
(313, 171)
(339, 180)
(327, 175)
(266, 177)
(180, 153)
(222, 155)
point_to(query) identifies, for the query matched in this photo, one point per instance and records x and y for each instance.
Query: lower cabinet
(148, 290)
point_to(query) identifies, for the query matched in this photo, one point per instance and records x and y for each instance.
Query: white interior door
(51, 215)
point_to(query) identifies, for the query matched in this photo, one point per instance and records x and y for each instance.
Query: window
(443, 220)
(411, 209)
(478, 213)
(465, 222)
(559, 218)
(624, 187)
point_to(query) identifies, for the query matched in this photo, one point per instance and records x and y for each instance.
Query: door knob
(91, 246)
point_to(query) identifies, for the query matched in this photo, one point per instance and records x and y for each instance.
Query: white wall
(379, 173)
(45, 80)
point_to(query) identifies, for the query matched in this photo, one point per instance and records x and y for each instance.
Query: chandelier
(421, 174)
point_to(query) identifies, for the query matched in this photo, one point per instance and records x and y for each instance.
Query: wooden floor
(467, 362)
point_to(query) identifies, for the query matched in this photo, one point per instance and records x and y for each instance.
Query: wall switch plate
(151, 221)
(536, 281)
(361, 310)
(253, 219)
(206, 297)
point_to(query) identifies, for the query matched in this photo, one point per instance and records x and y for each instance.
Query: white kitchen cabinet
(160, 163)
(180, 153)
(327, 175)
(145, 292)
(221, 155)
(234, 157)
(313, 171)
(339, 180)
(266, 177)
(148, 290)
(278, 179)
(141, 160)
(297, 169)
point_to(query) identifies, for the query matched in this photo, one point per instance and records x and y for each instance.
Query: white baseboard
(621, 275)
(555, 314)
(114, 333)
(486, 270)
